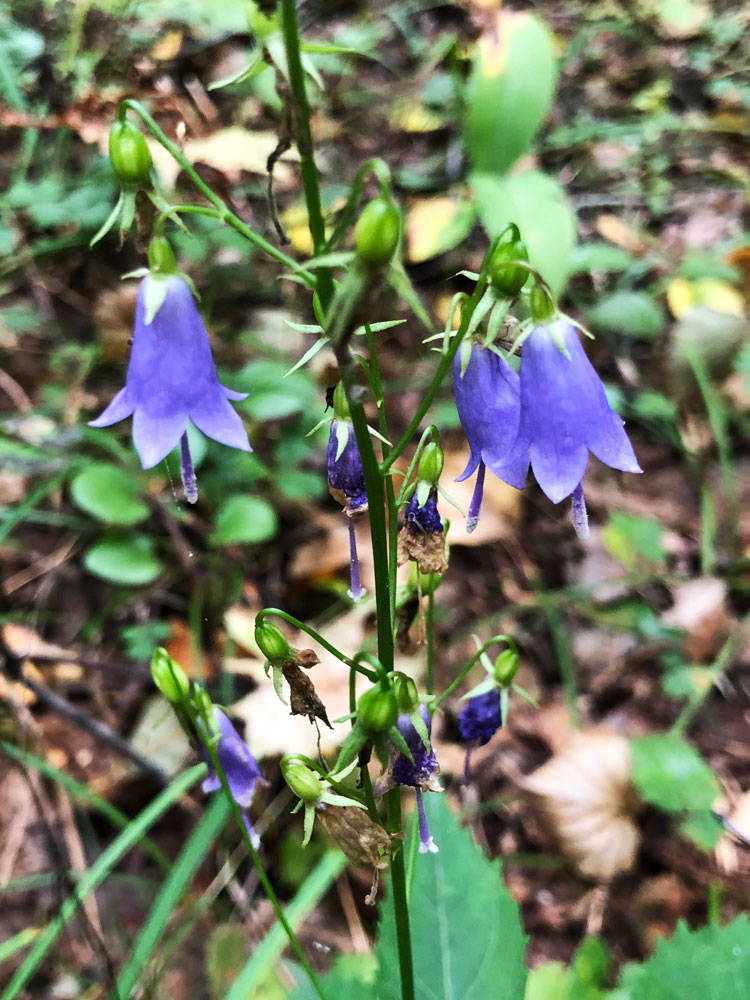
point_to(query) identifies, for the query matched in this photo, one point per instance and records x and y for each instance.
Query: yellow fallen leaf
(229, 150)
(435, 225)
(683, 295)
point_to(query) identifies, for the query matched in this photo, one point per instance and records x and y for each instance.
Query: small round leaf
(243, 519)
(123, 558)
(107, 492)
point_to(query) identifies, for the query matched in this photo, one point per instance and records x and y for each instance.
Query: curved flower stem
(482, 649)
(353, 664)
(255, 857)
(303, 137)
(224, 213)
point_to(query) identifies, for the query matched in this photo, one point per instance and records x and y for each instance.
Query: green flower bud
(204, 708)
(542, 304)
(169, 676)
(302, 780)
(161, 257)
(428, 582)
(505, 667)
(507, 277)
(407, 697)
(271, 643)
(129, 154)
(430, 463)
(377, 709)
(377, 231)
(340, 403)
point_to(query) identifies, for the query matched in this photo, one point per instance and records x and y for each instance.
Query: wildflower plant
(548, 417)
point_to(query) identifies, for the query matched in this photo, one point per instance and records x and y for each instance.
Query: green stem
(562, 648)
(400, 900)
(303, 136)
(716, 671)
(224, 213)
(430, 640)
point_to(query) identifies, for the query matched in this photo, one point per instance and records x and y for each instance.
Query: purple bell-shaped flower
(171, 376)
(239, 766)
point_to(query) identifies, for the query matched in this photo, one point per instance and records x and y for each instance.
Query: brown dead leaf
(302, 697)
(727, 850)
(614, 229)
(700, 609)
(230, 151)
(586, 793)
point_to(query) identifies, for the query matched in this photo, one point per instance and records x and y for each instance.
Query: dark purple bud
(481, 717)
(424, 519)
(423, 771)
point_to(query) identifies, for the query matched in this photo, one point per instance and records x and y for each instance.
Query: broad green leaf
(465, 926)
(599, 256)
(712, 963)
(670, 774)
(243, 519)
(123, 558)
(632, 313)
(510, 91)
(538, 206)
(107, 492)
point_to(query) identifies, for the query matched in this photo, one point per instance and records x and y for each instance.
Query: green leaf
(123, 558)
(352, 976)
(634, 540)
(107, 492)
(632, 313)
(712, 963)
(510, 91)
(599, 256)
(273, 396)
(670, 774)
(243, 519)
(539, 207)
(703, 828)
(465, 926)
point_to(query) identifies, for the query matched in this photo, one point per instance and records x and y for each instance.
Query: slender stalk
(567, 670)
(303, 136)
(430, 641)
(718, 668)
(224, 213)
(400, 900)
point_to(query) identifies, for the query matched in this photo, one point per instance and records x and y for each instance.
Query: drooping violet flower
(239, 766)
(420, 773)
(172, 379)
(480, 719)
(565, 415)
(346, 478)
(346, 484)
(488, 401)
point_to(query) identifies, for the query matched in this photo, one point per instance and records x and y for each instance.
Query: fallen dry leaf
(700, 609)
(586, 793)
